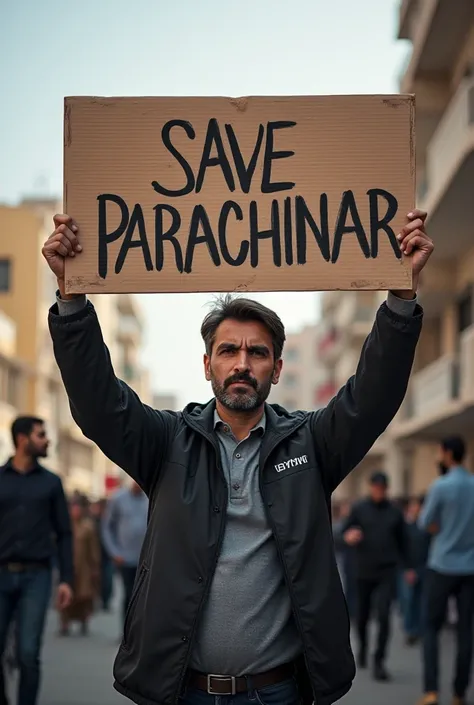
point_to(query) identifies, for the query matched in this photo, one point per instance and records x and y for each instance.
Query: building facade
(302, 376)
(440, 397)
(29, 378)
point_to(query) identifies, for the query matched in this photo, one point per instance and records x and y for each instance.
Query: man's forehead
(242, 333)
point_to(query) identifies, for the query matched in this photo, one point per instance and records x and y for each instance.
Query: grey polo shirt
(247, 625)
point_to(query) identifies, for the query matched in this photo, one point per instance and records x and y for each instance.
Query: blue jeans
(413, 608)
(284, 693)
(25, 595)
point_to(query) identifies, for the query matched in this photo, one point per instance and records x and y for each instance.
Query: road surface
(78, 670)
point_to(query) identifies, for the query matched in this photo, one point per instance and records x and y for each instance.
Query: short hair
(457, 447)
(23, 426)
(243, 309)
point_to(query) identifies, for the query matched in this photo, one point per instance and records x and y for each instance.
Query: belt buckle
(221, 678)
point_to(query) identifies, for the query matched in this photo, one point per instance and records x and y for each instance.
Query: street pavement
(78, 670)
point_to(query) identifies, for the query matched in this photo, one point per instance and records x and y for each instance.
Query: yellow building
(27, 290)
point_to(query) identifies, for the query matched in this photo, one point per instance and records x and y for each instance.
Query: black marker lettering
(161, 236)
(166, 139)
(106, 238)
(213, 136)
(288, 232)
(136, 219)
(377, 223)
(245, 174)
(199, 217)
(256, 234)
(270, 155)
(348, 204)
(245, 244)
(303, 218)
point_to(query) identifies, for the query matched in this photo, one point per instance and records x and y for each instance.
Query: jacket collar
(278, 421)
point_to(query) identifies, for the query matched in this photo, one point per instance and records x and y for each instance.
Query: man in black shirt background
(34, 523)
(377, 530)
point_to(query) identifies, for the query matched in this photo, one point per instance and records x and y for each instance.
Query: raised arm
(351, 423)
(107, 410)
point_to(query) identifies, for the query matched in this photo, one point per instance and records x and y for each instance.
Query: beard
(36, 452)
(245, 398)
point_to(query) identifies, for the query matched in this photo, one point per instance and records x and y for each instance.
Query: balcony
(450, 175)
(437, 29)
(435, 386)
(466, 361)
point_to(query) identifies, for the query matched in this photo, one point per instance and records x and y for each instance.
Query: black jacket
(385, 545)
(175, 458)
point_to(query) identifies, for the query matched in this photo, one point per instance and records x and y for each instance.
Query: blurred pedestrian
(237, 573)
(418, 545)
(33, 509)
(376, 528)
(346, 558)
(448, 513)
(123, 531)
(106, 564)
(86, 568)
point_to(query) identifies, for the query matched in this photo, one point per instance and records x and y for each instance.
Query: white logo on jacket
(293, 462)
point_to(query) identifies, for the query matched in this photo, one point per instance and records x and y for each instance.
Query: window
(5, 275)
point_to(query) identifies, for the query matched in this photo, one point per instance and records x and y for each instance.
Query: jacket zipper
(220, 539)
(278, 545)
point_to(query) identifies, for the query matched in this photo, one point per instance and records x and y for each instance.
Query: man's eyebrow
(259, 348)
(228, 346)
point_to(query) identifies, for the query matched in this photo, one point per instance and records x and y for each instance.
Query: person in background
(418, 543)
(376, 528)
(345, 556)
(448, 513)
(123, 531)
(33, 510)
(86, 568)
(106, 563)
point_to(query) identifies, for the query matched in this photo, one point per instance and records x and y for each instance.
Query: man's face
(241, 367)
(37, 442)
(378, 491)
(444, 460)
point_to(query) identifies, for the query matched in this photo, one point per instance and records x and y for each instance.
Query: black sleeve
(352, 521)
(62, 528)
(131, 434)
(353, 420)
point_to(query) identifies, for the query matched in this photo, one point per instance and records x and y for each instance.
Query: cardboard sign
(248, 194)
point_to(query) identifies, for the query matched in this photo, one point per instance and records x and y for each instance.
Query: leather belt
(216, 684)
(22, 567)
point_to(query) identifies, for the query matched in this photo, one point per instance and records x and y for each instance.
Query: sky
(52, 49)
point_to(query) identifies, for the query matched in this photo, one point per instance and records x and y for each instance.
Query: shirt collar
(220, 425)
(9, 466)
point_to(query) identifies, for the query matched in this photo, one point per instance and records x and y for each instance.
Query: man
(123, 531)
(418, 544)
(345, 558)
(376, 528)
(106, 565)
(448, 513)
(237, 573)
(33, 510)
